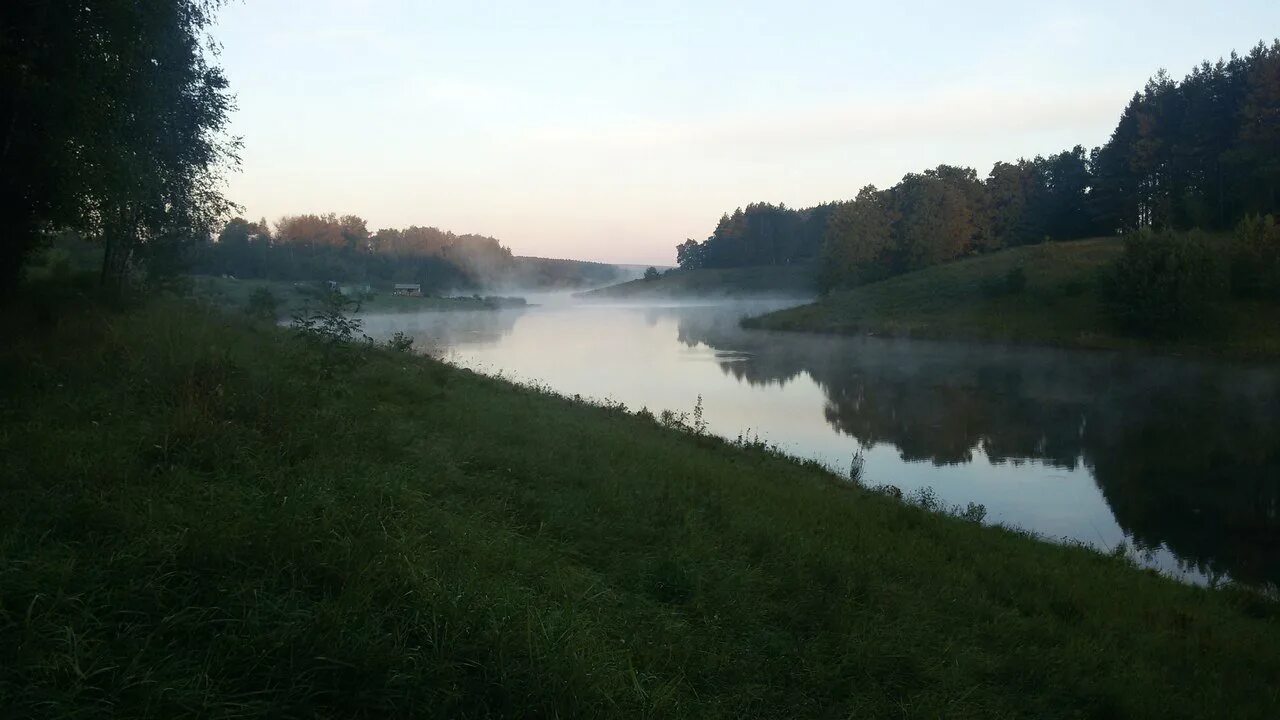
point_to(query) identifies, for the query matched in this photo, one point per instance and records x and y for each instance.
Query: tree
(1063, 202)
(1015, 194)
(1116, 202)
(354, 231)
(760, 234)
(312, 230)
(651, 273)
(942, 216)
(241, 248)
(689, 254)
(1196, 153)
(1259, 132)
(1165, 282)
(858, 245)
(113, 126)
(236, 233)
(1255, 258)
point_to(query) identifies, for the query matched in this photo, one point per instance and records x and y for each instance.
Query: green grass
(788, 280)
(193, 525)
(1061, 305)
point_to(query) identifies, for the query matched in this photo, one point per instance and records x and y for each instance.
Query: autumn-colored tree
(859, 243)
(942, 216)
(313, 230)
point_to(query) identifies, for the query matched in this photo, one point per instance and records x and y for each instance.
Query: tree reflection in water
(1186, 453)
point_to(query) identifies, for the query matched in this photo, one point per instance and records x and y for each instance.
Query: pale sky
(611, 131)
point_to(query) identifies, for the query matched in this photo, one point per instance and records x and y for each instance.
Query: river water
(1178, 459)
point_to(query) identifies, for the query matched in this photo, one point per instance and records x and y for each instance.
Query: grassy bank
(765, 281)
(194, 523)
(1060, 304)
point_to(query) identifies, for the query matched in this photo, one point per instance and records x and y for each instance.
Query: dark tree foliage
(1014, 193)
(760, 234)
(927, 218)
(1200, 153)
(689, 254)
(1062, 200)
(111, 122)
(1165, 283)
(332, 247)
(1255, 259)
(1204, 152)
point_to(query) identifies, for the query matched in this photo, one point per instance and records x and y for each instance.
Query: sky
(612, 131)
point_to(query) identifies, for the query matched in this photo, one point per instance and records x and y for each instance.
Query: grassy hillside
(788, 280)
(1059, 305)
(195, 523)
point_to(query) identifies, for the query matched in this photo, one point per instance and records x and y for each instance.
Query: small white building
(407, 289)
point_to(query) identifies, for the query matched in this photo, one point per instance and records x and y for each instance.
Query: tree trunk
(117, 243)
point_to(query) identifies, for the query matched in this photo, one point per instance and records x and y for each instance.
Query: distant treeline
(329, 246)
(1200, 153)
(762, 234)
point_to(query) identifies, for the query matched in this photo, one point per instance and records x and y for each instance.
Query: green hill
(199, 521)
(760, 281)
(1057, 301)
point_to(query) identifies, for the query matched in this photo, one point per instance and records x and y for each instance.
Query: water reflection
(438, 332)
(1186, 454)
(1177, 456)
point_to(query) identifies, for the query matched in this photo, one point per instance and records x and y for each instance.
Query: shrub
(857, 467)
(263, 304)
(1255, 258)
(333, 334)
(400, 342)
(1164, 283)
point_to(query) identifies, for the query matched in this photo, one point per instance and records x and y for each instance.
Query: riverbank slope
(1057, 302)
(202, 517)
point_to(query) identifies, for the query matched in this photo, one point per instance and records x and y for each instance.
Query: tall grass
(193, 526)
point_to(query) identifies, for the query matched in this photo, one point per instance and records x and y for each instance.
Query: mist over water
(1178, 458)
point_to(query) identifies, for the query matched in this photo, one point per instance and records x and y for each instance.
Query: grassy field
(236, 293)
(195, 523)
(1060, 305)
(790, 280)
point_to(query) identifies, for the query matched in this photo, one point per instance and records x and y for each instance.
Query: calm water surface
(1179, 459)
